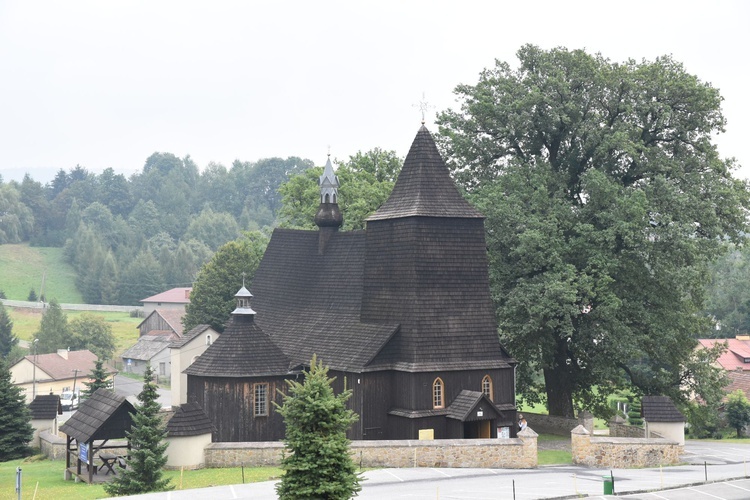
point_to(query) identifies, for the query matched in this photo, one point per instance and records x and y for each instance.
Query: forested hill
(128, 238)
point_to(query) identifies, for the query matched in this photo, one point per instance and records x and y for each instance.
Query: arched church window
(438, 393)
(327, 198)
(487, 387)
(208, 339)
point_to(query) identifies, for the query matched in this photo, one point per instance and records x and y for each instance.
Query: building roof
(45, 407)
(63, 366)
(189, 420)
(660, 409)
(187, 337)
(738, 380)
(463, 407)
(243, 350)
(105, 415)
(150, 345)
(173, 296)
(737, 355)
(172, 317)
(424, 187)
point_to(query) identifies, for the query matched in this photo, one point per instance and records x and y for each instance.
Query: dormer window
(747, 360)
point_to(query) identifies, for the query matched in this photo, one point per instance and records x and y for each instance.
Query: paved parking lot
(723, 465)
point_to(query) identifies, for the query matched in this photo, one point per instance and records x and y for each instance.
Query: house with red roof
(52, 373)
(174, 299)
(737, 355)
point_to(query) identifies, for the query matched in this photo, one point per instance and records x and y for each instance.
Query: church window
(328, 198)
(438, 392)
(260, 400)
(208, 339)
(487, 387)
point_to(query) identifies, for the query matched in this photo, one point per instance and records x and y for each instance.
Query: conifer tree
(319, 465)
(15, 419)
(54, 332)
(143, 473)
(99, 380)
(7, 339)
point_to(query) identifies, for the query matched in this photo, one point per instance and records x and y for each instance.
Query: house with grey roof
(400, 312)
(661, 417)
(183, 353)
(44, 411)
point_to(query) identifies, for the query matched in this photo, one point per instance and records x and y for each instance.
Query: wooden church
(400, 312)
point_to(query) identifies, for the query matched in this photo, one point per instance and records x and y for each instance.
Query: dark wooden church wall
(229, 404)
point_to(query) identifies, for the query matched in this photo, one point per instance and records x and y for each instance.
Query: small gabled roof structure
(105, 415)
(189, 420)
(660, 409)
(150, 345)
(171, 317)
(180, 295)
(45, 407)
(466, 407)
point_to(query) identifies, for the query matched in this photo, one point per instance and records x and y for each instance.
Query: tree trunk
(559, 391)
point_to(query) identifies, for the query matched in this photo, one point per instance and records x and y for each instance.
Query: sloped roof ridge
(424, 186)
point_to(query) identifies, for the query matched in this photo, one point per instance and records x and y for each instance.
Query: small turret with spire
(243, 297)
(328, 218)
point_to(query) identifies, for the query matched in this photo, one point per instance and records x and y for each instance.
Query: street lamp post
(36, 353)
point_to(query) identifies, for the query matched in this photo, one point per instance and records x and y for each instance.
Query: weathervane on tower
(423, 106)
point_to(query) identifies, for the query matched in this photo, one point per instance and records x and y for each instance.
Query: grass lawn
(554, 457)
(23, 267)
(49, 475)
(124, 328)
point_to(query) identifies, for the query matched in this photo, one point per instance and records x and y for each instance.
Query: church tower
(328, 218)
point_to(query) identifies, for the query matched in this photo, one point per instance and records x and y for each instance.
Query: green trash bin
(609, 485)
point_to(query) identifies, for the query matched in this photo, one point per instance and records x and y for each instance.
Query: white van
(69, 400)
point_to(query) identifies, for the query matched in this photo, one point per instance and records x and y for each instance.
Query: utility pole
(75, 377)
(36, 356)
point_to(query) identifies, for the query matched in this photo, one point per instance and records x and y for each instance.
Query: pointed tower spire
(328, 218)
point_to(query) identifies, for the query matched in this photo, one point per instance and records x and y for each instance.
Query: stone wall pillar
(580, 443)
(530, 456)
(586, 419)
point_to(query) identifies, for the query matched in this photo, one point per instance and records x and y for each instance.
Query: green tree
(99, 379)
(143, 473)
(17, 220)
(54, 332)
(212, 299)
(737, 409)
(727, 294)
(15, 419)
(93, 333)
(7, 339)
(366, 180)
(141, 278)
(318, 464)
(212, 228)
(605, 201)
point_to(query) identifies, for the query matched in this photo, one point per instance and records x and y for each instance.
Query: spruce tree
(7, 339)
(54, 332)
(319, 464)
(99, 380)
(15, 419)
(143, 473)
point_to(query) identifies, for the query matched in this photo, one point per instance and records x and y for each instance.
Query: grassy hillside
(22, 268)
(124, 328)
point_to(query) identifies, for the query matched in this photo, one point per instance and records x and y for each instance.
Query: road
(130, 388)
(721, 465)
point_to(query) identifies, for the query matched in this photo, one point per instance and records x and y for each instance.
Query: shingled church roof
(45, 407)
(660, 409)
(424, 187)
(243, 350)
(310, 303)
(189, 420)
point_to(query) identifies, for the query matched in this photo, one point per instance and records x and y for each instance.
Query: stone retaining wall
(618, 427)
(516, 453)
(52, 445)
(559, 426)
(622, 452)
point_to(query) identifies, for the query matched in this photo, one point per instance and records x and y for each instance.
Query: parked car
(69, 400)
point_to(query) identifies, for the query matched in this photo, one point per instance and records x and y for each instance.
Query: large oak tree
(605, 201)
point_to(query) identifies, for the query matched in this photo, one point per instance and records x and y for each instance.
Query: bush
(634, 412)
(32, 296)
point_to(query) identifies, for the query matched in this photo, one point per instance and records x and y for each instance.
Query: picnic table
(108, 462)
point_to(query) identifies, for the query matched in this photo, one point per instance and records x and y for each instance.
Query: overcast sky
(106, 83)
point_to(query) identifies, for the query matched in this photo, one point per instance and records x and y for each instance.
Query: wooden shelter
(102, 417)
(400, 312)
